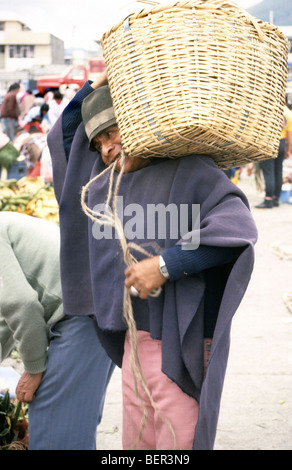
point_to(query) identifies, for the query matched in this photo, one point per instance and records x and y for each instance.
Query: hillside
(282, 11)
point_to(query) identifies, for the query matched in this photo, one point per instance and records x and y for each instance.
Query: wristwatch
(163, 268)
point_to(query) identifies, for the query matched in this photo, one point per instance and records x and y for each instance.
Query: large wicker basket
(198, 77)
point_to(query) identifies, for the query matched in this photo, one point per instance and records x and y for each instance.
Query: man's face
(109, 144)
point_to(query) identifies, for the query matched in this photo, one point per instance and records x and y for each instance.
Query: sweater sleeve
(23, 314)
(7, 342)
(72, 117)
(183, 262)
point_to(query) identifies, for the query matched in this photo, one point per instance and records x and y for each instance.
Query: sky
(77, 22)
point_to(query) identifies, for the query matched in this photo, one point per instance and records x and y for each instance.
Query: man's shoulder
(197, 167)
(197, 162)
(191, 160)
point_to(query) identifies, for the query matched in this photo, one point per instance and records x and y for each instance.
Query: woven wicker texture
(198, 77)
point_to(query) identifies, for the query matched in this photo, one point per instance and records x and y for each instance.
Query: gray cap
(97, 113)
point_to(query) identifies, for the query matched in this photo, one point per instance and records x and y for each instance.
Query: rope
(111, 218)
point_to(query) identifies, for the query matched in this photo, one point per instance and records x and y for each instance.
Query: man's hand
(27, 385)
(145, 276)
(101, 80)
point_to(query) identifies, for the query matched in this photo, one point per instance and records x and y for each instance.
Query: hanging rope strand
(111, 218)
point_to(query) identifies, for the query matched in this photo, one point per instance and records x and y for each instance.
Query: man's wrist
(162, 268)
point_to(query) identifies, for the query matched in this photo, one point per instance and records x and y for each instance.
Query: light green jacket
(30, 296)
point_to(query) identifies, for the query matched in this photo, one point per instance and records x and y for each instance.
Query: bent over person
(183, 296)
(66, 371)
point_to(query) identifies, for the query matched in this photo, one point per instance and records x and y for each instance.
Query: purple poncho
(92, 271)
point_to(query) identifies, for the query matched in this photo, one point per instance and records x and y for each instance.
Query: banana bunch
(7, 188)
(29, 196)
(29, 185)
(44, 205)
(11, 198)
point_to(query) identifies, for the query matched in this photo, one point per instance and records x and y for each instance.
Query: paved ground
(256, 406)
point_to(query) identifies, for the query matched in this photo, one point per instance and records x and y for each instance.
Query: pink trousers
(170, 402)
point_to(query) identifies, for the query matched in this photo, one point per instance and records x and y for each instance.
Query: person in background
(27, 101)
(272, 168)
(38, 116)
(69, 91)
(31, 143)
(46, 172)
(57, 106)
(66, 371)
(20, 137)
(288, 129)
(10, 111)
(45, 118)
(8, 155)
(32, 148)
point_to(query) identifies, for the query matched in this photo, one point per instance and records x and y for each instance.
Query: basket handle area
(217, 4)
(149, 2)
(256, 25)
(250, 18)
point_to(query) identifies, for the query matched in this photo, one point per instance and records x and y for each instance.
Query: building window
(21, 52)
(2, 25)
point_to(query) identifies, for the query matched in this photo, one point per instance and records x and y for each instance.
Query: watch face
(164, 272)
(163, 268)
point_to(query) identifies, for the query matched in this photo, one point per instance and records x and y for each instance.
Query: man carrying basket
(183, 295)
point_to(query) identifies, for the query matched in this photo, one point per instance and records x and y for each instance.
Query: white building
(22, 49)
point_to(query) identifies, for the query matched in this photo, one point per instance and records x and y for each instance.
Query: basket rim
(228, 5)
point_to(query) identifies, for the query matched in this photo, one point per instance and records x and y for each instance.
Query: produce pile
(13, 425)
(29, 196)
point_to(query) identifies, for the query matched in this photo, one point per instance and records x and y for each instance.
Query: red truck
(75, 74)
